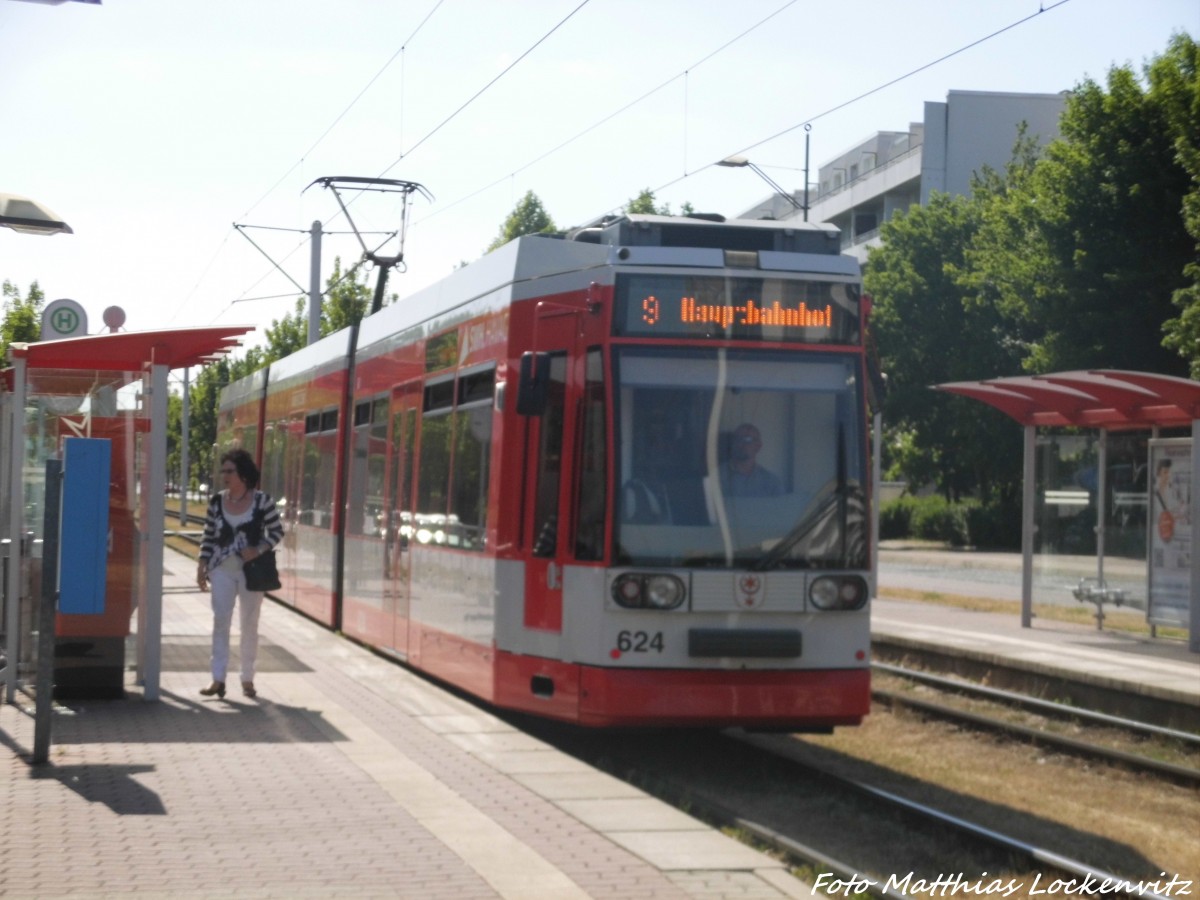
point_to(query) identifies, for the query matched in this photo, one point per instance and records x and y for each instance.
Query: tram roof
(1097, 398)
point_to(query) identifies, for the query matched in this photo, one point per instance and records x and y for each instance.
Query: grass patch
(1127, 621)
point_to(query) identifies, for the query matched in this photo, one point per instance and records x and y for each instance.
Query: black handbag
(261, 573)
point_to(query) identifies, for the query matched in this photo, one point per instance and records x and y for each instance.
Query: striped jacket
(220, 541)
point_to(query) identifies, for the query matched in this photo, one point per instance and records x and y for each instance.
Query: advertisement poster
(1170, 522)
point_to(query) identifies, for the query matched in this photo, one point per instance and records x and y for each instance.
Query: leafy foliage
(1175, 86)
(1082, 257)
(528, 217)
(22, 316)
(928, 333)
(643, 204)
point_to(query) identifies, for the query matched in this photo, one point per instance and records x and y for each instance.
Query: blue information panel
(83, 547)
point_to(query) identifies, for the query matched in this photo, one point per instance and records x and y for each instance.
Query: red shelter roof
(1099, 398)
(129, 351)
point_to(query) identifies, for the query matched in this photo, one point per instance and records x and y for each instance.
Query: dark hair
(244, 463)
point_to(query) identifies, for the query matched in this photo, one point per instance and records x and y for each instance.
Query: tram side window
(272, 469)
(549, 461)
(364, 499)
(472, 458)
(433, 476)
(320, 446)
(455, 461)
(589, 533)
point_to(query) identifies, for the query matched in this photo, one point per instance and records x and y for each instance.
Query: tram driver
(741, 475)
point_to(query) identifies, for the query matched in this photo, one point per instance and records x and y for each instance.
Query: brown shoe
(248, 689)
(216, 688)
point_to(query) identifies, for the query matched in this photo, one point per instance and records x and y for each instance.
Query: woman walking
(242, 523)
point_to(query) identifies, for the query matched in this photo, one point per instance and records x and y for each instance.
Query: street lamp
(740, 162)
(29, 216)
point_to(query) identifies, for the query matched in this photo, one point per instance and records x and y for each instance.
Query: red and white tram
(617, 478)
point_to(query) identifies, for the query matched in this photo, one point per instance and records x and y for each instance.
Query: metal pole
(47, 609)
(1194, 608)
(153, 482)
(807, 129)
(1101, 505)
(1028, 499)
(16, 459)
(314, 286)
(184, 462)
(876, 477)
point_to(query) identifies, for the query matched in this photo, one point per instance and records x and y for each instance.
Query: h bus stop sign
(63, 319)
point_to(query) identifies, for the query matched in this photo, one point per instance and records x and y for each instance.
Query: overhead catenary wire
(306, 153)
(875, 90)
(682, 74)
(479, 93)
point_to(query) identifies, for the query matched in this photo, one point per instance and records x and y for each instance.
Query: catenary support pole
(314, 286)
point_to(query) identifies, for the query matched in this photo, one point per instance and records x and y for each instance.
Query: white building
(890, 171)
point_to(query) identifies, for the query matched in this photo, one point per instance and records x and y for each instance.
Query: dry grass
(1130, 621)
(1134, 825)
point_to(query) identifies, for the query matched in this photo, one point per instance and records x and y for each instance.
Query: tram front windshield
(739, 459)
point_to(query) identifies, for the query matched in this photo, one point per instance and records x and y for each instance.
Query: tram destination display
(766, 309)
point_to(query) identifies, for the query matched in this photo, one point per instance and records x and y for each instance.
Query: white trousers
(228, 584)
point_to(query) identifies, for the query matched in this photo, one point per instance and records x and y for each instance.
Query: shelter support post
(1101, 511)
(16, 509)
(876, 477)
(1028, 497)
(1194, 600)
(154, 486)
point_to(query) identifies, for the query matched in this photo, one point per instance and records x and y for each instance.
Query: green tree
(644, 204)
(528, 217)
(345, 302)
(1175, 85)
(928, 331)
(202, 420)
(22, 316)
(1104, 212)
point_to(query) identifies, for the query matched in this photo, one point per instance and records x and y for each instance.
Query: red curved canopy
(130, 351)
(1099, 398)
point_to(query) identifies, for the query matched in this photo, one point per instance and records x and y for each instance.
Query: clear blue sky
(152, 126)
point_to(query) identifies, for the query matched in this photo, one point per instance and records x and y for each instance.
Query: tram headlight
(637, 590)
(838, 592)
(664, 592)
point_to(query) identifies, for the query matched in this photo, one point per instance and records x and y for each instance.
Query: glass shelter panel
(1090, 515)
(61, 404)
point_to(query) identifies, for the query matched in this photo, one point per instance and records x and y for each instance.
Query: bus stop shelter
(110, 386)
(1107, 400)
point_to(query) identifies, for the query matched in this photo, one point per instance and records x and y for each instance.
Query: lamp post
(740, 162)
(30, 217)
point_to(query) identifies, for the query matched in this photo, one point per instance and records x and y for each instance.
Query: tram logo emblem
(750, 592)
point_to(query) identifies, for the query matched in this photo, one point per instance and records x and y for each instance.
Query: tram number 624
(639, 641)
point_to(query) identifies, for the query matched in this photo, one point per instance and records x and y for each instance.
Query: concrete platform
(1152, 667)
(347, 777)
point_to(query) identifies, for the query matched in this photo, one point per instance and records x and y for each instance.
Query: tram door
(547, 475)
(406, 405)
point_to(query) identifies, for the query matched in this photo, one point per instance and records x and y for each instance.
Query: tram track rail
(952, 835)
(1083, 877)
(1083, 748)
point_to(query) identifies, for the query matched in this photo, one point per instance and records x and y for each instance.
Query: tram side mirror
(533, 383)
